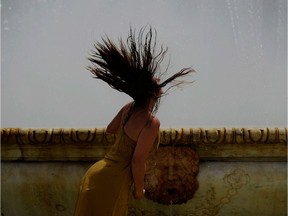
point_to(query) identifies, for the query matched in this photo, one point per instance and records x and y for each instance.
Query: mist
(238, 49)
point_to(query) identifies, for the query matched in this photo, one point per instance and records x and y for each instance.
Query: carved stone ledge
(80, 144)
(212, 136)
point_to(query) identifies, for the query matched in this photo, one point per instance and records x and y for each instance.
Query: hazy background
(237, 47)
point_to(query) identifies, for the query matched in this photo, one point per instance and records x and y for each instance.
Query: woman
(130, 68)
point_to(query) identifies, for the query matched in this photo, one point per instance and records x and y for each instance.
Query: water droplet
(171, 207)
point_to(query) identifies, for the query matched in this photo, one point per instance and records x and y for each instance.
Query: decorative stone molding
(80, 144)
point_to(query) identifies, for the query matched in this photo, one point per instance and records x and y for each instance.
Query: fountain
(171, 175)
(241, 170)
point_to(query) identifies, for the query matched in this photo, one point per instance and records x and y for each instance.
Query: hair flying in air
(133, 66)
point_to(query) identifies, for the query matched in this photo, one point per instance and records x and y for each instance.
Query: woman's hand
(138, 194)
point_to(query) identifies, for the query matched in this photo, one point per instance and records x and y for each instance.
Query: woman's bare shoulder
(154, 124)
(124, 109)
(127, 106)
(116, 121)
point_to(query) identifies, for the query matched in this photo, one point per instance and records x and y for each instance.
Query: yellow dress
(105, 188)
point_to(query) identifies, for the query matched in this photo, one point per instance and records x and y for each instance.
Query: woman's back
(138, 120)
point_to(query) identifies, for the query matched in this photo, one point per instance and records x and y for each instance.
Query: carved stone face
(171, 175)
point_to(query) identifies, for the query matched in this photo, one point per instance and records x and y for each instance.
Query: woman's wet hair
(133, 66)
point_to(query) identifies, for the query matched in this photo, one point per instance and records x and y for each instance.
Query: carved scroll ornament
(92, 143)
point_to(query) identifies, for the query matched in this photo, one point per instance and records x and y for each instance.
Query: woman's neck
(147, 108)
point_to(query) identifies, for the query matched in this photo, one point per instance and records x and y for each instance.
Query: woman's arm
(144, 145)
(116, 121)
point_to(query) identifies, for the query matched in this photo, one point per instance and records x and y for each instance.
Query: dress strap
(128, 114)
